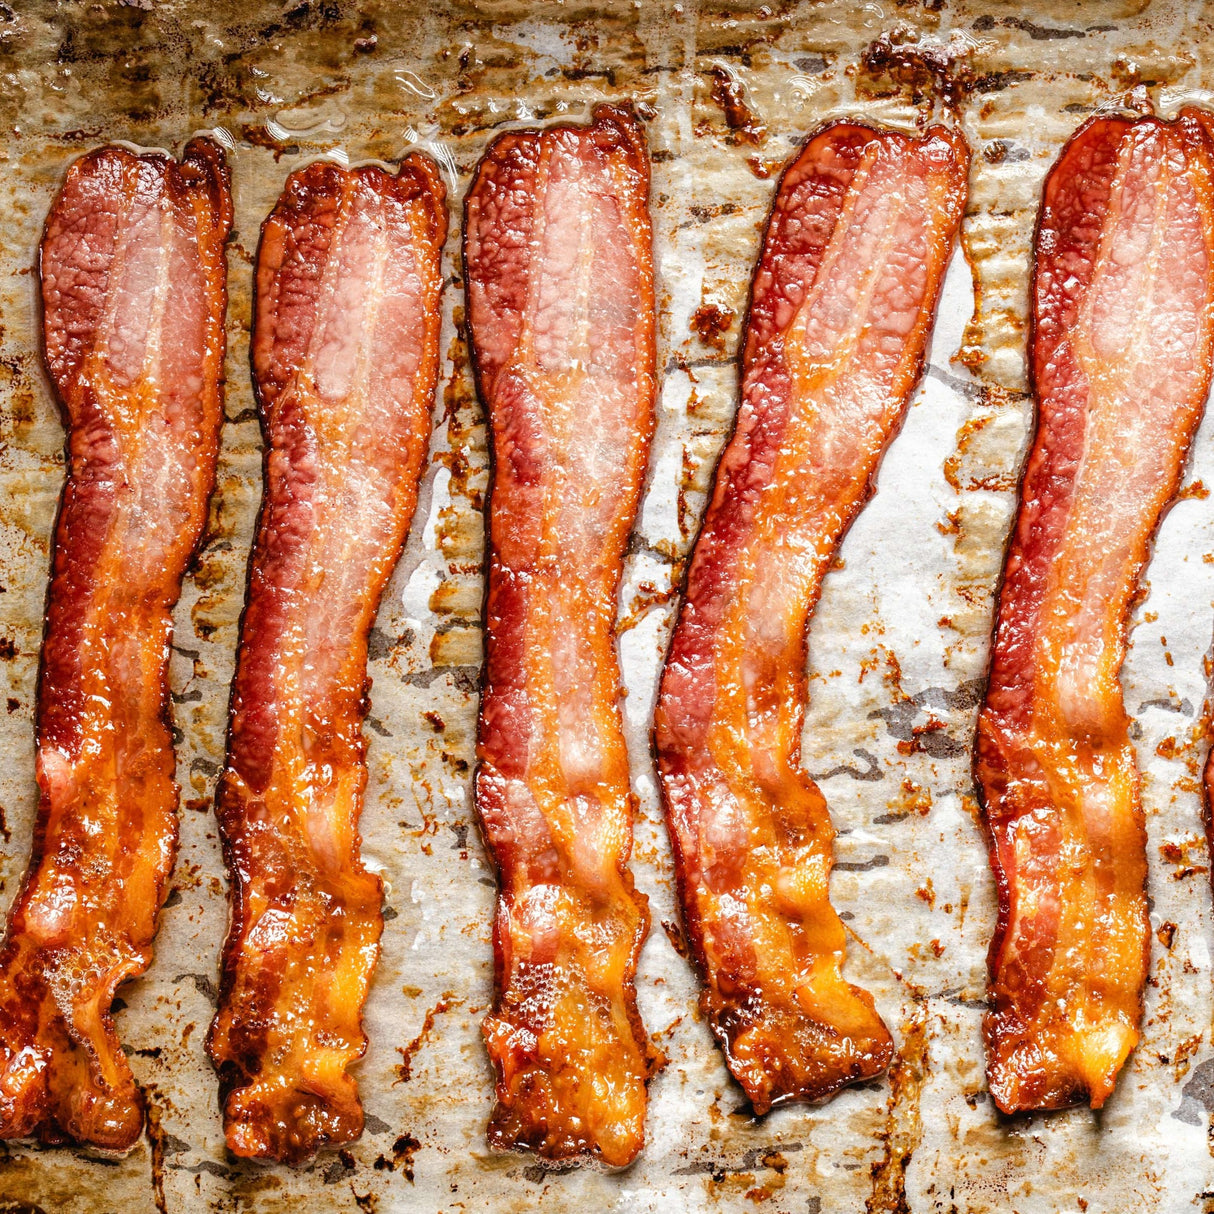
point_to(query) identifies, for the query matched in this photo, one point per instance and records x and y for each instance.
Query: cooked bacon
(133, 301)
(560, 289)
(345, 358)
(1123, 337)
(842, 305)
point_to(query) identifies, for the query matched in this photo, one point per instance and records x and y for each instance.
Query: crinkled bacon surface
(345, 358)
(134, 293)
(1123, 326)
(842, 305)
(560, 288)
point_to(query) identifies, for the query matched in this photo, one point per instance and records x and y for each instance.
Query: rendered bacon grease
(345, 358)
(1123, 326)
(560, 290)
(133, 300)
(841, 309)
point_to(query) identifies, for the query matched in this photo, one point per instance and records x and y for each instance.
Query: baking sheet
(898, 645)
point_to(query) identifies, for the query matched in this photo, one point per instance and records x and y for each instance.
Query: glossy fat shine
(560, 290)
(345, 360)
(1123, 336)
(133, 300)
(841, 309)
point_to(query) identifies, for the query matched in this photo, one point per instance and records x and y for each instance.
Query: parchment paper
(898, 645)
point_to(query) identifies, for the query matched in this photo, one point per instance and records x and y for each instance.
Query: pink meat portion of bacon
(345, 360)
(1123, 326)
(841, 308)
(134, 294)
(560, 290)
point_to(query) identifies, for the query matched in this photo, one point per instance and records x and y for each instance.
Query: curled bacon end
(345, 360)
(133, 280)
(560, 289)
(842, 305)
(1122, 342)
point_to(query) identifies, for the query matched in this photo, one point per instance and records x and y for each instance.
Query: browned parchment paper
(898, 648)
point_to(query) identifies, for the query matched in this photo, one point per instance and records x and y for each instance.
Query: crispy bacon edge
(289, 1021)
(552, 1103)
(1037, 1058)
(71, 942)
(818, 1032)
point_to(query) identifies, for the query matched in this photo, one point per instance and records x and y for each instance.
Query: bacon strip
(560, 289)
(345, 359)
(1121, 350)
(841, 308)
(133, 301)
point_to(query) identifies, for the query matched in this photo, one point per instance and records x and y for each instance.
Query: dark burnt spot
(460, 831)
(1038, 33)
(7, 648)
(870, 771)
(13, 704)
(202, 984)
(993, 82)
(861, 866)
(729, 93)
(339, 1168)
(1197, 1096)
(755, 1159)
(704, 214)
(403, 1151)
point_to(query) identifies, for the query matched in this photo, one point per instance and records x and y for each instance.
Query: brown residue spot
(729, 94)
(1184, 1053)
(998, 481)
(914, 745)
(256, 134)
(1168, 748)
(951, 524)
(407, 1053)
(13, 704)
(927, 68)
(674, 933)
(403, 1150)
(647, 597)
(7, 648)
(436, 722)
(903, 1127)
(712, 322)
(1166, 933)
(926, 893)
(760, 168)
(156, 1141)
